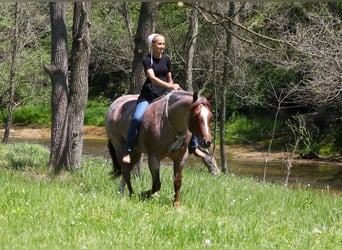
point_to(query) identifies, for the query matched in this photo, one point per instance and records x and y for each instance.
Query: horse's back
(118, 115)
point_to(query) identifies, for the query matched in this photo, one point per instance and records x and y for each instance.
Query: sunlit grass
(83, 210)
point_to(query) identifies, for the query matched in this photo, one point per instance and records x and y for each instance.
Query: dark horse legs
(177, 183)
(154, 165)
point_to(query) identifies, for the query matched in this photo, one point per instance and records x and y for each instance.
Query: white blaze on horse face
(205, 115)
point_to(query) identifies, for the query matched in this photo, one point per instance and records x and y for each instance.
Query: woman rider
(158, 83)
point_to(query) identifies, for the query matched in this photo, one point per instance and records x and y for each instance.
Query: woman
(158, 83)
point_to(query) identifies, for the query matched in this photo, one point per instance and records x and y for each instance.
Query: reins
(180, 137)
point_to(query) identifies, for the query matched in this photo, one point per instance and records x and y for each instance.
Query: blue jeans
(133, 129)
(193, 142)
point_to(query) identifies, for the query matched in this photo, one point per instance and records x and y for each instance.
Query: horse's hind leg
(122, 187)
(154, 165)
(126, 179)
(136, 173)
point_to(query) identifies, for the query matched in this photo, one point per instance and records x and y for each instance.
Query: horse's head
(199, 121)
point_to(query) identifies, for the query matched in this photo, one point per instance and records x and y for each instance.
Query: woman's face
(158, 45)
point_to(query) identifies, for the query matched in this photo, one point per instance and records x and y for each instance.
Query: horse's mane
(176, 95)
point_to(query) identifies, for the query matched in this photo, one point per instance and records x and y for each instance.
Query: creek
(321, 176)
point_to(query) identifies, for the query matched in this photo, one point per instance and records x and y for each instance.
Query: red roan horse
(164, 132)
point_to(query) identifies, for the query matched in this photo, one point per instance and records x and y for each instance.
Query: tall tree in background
(58, 71)
(78, 92)
(68, 102)
(223, 17)
(191, 49)
(146, 26)
(15, 41)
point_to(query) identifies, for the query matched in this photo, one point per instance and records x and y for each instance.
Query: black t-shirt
(161, 66)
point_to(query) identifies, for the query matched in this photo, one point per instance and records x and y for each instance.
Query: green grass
(82, 210)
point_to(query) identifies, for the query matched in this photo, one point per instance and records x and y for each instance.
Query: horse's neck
(178, 115)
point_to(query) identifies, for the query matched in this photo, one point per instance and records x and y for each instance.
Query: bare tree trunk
(58, 71)
(192, 48)
(125, 14)
(12, 74)
(78, 92)
(227, 77)
(223, 92)
(146, 26)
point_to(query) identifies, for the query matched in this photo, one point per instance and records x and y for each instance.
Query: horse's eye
(195, 116)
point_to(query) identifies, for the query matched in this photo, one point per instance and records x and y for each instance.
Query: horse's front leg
(154, 166)
(177, 182)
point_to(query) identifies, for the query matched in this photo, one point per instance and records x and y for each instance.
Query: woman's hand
(175, 86)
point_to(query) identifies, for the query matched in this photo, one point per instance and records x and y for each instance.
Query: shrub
(242, 129)
(96, 112)
(25, 156)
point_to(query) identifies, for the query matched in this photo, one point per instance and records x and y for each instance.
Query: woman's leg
(133, 129)
(193, 142)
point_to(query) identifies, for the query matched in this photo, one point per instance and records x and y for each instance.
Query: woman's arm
(155, 80)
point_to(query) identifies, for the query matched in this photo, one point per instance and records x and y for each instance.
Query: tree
(68, 102)
(58, 71)
(15, 41)
(317, 58)
(224, 17)
(78, 92)
(193, 30)
(146, 26)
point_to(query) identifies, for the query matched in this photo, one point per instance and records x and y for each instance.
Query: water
(325, 177)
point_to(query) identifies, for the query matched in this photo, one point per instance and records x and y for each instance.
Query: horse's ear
(195, 97)
(210, 96)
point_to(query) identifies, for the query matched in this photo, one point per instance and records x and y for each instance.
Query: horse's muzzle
(205, 143)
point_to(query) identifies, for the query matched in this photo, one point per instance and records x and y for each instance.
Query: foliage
(33, 51)
(82, 210)
(96, 112)
(23, 156)
(300, 53)
(302, 137)
(242, 128)
(29, 115)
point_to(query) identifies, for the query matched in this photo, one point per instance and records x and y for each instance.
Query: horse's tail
(116, 172)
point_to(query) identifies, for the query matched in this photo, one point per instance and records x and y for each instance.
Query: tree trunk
(58, 71)
(227, 77)
(223, 90)
(192, 48)
(146, 26)
(12, 74)
(78, 92)
(124, 10)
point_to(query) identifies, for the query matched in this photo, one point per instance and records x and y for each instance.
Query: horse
(165, 131)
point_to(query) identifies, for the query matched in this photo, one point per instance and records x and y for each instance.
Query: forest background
(279, 80)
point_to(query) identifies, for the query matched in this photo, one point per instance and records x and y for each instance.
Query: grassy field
(82, 210)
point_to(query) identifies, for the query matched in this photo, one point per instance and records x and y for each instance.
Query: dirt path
(32, 132)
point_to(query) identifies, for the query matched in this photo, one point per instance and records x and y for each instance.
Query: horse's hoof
(144, 195)
(176, 204)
